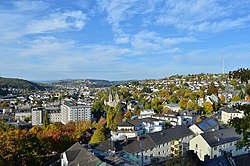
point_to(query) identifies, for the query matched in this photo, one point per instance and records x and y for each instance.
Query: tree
(110, 119)
(247, 90)
(128, 115)
(4, 104)
(242, 126)
(183, 103)
(208, 107)
(46, 119)
(98, 136)
(222, 99)
(242, 74)
(236, 98)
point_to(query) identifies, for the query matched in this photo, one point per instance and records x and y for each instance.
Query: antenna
(223, 68)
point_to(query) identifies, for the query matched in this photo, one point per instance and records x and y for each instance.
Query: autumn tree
(222, 99)
(183, 103)
(98, 136)
(128, 115)
(208, 107)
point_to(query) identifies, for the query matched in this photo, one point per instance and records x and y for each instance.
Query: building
(230, 113)
(205, 125)
(173, 107)
(169, 117)
(112, 102)
(213, 144)
(72, 112)
(159, 146)
(148, 113)
(38, 114)
(78, 155)
(20, 116)
(187, 117)
(135, 127)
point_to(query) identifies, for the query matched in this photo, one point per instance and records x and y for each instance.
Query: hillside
(19, 84)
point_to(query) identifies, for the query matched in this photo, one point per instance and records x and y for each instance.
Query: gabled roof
(229, 110)
(215, 138)
(151, 140)
(78, 155)
(207, 124)
(136, 122)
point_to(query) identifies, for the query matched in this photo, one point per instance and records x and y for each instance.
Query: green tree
(208, 107)
(98, 136)
(46, 119)
(242, 126)
(110, 119)
(4, 104)
(183, 103)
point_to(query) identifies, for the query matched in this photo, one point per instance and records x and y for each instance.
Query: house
(21, 116)
(159, 146)
(77, 155)
(173, 107)
(212, 99)
(205, 125)
(213, 144)
(230, 113)
(187, 117)
(147, 113)
(169, 117)
(136, 127)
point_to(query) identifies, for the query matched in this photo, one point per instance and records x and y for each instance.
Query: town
(190, 119)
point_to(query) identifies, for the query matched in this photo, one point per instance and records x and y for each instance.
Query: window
(163, 151)
(215, 156)
(215, 148)
(196, 146)
(159, 153)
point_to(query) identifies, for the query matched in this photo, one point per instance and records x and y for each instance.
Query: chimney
(125, 139)
(138, 138)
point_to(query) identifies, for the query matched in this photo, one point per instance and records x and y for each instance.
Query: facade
(21, 115)
(205, 125)
(146, 113)
(170, 117)
(75, 113)
(112, 102)
(161, 145)
(187, 117)
(229, 113)
(54, 114)
(213, 144)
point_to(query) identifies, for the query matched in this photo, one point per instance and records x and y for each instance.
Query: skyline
(122, 40)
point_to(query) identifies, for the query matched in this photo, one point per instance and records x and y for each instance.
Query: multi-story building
(230, 113)
(74, 113)
(205, 125)
(38, 114)
(216, 143)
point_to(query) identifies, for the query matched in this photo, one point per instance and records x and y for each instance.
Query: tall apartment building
(73, 112)
(54, 114)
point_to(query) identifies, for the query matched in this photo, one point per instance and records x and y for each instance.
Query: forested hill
(19, 84)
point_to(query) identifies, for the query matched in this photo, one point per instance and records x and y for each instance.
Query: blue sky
(122, 39)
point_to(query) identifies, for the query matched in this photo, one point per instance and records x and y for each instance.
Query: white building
(20, 116)
(230, 113)
(148, 113)
(54, 115)
(216, 143)
(187, 117)
(205, 125)
(71, 112)
(170, 117)
(173, 107)
(136, 127)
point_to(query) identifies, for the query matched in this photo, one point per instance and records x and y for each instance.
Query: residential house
(213, 144)
(230, 113)
(147, 113)
(205, 125)
(169, 117)
(187, 117)
(173, 107)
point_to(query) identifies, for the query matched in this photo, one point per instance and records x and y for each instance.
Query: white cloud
(28, 5)
(73, 20)
(122, 40)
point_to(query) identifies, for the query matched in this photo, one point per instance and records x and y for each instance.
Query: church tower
(110, 96)
(116, 95)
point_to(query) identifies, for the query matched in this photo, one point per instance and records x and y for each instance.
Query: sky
(122, 39)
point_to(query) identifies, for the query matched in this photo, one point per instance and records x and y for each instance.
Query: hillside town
(145, 122)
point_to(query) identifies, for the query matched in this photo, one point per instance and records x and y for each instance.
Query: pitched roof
(78, 155)
(151, 140)
(229, 110)
(218, 137)
(137, 122)
(207, 124)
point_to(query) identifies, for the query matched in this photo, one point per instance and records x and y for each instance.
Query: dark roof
(78, 155)
(215, 138)
(228, 110)
(242, 160)
(151, 140)
(217, 161)
(207, 124)
(103, 146)
(137, 122)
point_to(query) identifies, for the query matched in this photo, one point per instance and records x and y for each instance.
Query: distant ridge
(19, 84)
